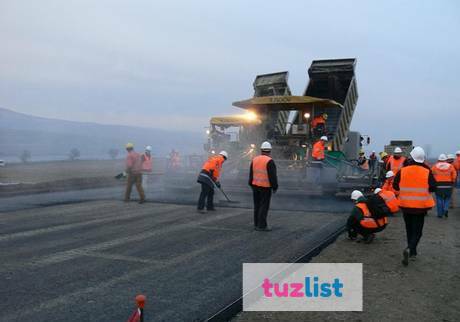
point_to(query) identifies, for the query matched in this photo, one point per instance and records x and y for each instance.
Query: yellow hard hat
(129, 145)
(383, 154)
(361, 151)
(325, 116)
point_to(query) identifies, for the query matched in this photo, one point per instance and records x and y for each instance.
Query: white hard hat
(376, 191)
(458, 152)
(224, 154)
(450, 157)
(397, 150)
(390, 174)
(442, 157)
(418, 154)
(324, 138)
(266, 146)
(356, 194)
(148, 148)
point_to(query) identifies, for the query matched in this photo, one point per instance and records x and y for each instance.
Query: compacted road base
(86, 261)
(426, 290)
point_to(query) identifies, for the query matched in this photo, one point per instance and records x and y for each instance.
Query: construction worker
(134, 173)
(174, 160)
(263, 180)
(415, 182)
(318, 125)
(363, 163)
(390, 199)
(209, 178)
(388, 184)
(146, 161)
(383, 166)
(445, 175)
(396, 161)
(361, 221)
(372, 161)
(319, 148)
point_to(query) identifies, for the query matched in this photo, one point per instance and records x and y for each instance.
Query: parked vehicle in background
(2, 163)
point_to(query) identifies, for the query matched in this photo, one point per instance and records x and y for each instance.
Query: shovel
(225, 195)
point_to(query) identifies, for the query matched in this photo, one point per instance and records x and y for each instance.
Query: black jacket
(271, 169)
(431, 184)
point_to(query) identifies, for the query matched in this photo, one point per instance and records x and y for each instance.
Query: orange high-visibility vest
(259, 171)
(388, 186)
(368, 221)
(214, 165)
(318, 120)
(414, 188)
(318, 150)
(390, 199)
(146, 163)
(444, 173)
(396, 165)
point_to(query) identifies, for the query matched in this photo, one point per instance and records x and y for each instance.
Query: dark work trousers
(206, 197)
(414, 229)
(134, 179)
(262, 198)
(354, 228)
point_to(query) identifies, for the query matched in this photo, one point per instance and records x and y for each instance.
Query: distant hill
(53, 139)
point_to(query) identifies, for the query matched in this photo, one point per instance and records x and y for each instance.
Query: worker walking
(319, 147)
(415, 182)
(445, 175)
(363, 163)
(134, 173)
(361, 220)
(383, 166)
(263, 180)
(372, 161)
(209, 178)
(396, 161)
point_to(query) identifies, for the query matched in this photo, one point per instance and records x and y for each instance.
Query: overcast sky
(173, 64)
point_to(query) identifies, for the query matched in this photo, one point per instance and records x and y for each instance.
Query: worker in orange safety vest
(318, 151)
(446, 176)
(390, 199)
(415, 183)
(396, 161)
(209, 178)
(361, 221)
(263, 181)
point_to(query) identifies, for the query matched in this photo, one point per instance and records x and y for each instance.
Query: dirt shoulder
(426, 290)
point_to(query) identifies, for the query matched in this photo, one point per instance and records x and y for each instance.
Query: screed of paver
(426, 290)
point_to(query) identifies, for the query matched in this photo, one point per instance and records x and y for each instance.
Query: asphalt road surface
(69, 256)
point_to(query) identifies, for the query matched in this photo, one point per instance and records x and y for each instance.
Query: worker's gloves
(218, 184)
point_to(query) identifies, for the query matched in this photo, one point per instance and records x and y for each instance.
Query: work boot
(141, 201)
(405, 260)
(201, 211)
(412, 258)
(211, 209)
(446, 213)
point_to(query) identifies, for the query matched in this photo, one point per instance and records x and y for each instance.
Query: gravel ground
(426, 290)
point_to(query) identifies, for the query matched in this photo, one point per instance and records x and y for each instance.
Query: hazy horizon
(173, 65)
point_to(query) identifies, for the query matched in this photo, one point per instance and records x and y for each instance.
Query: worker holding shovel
(209, 178)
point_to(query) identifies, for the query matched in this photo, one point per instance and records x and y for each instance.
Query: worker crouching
(263, 180)
(361, 220)
(209, 178)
